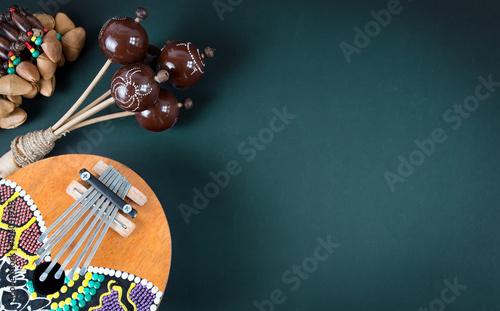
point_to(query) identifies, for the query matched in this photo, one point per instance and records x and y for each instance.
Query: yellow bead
(56, 295)
(64, 289)
(33, 295)
(80, 289)
(61, 304)
(49, 296)
(71, 283)
(88, 276)
(85, 283)
(76, 277)
(11, 65)
(32, 50)
(67, 301)
(74, 295)
(33, 38)
(12, 57)
(54, 305)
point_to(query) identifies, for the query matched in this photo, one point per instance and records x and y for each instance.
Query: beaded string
(31, 39)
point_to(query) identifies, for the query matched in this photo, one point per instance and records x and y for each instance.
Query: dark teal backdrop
(341, 155)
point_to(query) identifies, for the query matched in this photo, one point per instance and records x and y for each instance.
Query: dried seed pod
(46, 67)
(72, 43)
(16, 99)
(46, 20)
(6, 108)
(34, 92)
(16, 118)
(62, 61)
(47, 86)
(63, 23)
(14, 85)
(28, 71)
(52, 47)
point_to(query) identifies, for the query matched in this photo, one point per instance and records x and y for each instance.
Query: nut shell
(16, 118)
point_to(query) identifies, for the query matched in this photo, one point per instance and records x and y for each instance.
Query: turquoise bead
(75, 308)
(59, 36)
(66, 280)
(79, 297)
(11, 70)
(95, 276)
(58, 309)
(81, 303)
(91, 284)
(87, 298)
(92, 291)
(66, 308)
(73, 302)
(35, 54)
(38, 41)
(97, 285)
(16, 61)
(100, 278)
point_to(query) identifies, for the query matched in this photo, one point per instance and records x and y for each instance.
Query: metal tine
(114, 220)
(109, 219)
(72, 207)
(114, 187)
(67, 225)
(109, 211)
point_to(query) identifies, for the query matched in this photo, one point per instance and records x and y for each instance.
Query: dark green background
(323, 175)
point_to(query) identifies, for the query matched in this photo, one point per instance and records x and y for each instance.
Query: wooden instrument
(130, 269)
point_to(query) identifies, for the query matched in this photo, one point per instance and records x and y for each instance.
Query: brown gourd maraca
(134, 87)
(124, 40)
(162, 115)
(184, 63)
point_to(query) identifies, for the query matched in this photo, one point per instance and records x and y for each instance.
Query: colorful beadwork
(99, 289)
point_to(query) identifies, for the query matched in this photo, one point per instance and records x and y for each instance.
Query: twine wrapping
(33, 146)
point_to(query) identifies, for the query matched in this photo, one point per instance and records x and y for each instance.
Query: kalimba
(57, 250)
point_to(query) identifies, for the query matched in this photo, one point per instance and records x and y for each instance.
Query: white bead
(153, 308)
(137, 280)
(47, 258)
(13, 185)
(33, 208)
(36, 213)
(42, 229)
(159, 293)
(22, 193)
(101, 270)
(2, 181)
(90, 269)
(41, 223)
(118, 273)
(18, 188)
(124, 275)
(27, 197)
(77, 270)
(131, 277)
(149, 285)
(106, 271)
(154, 290)
(157, 300)
(30, 202)
(111, 272)
(144, 282)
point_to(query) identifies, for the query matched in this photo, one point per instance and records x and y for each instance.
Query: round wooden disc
(146, 253)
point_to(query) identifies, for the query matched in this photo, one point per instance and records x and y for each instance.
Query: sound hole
(51, 284)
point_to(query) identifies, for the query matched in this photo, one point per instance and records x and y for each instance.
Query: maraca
(184, 63)
(163, 114)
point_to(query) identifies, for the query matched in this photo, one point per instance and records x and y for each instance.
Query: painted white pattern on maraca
(197, 66)
(120, 89)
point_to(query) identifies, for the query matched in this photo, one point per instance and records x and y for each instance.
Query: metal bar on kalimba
(115, 186)
(122, 193)
(69, 223)
(72, 207)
